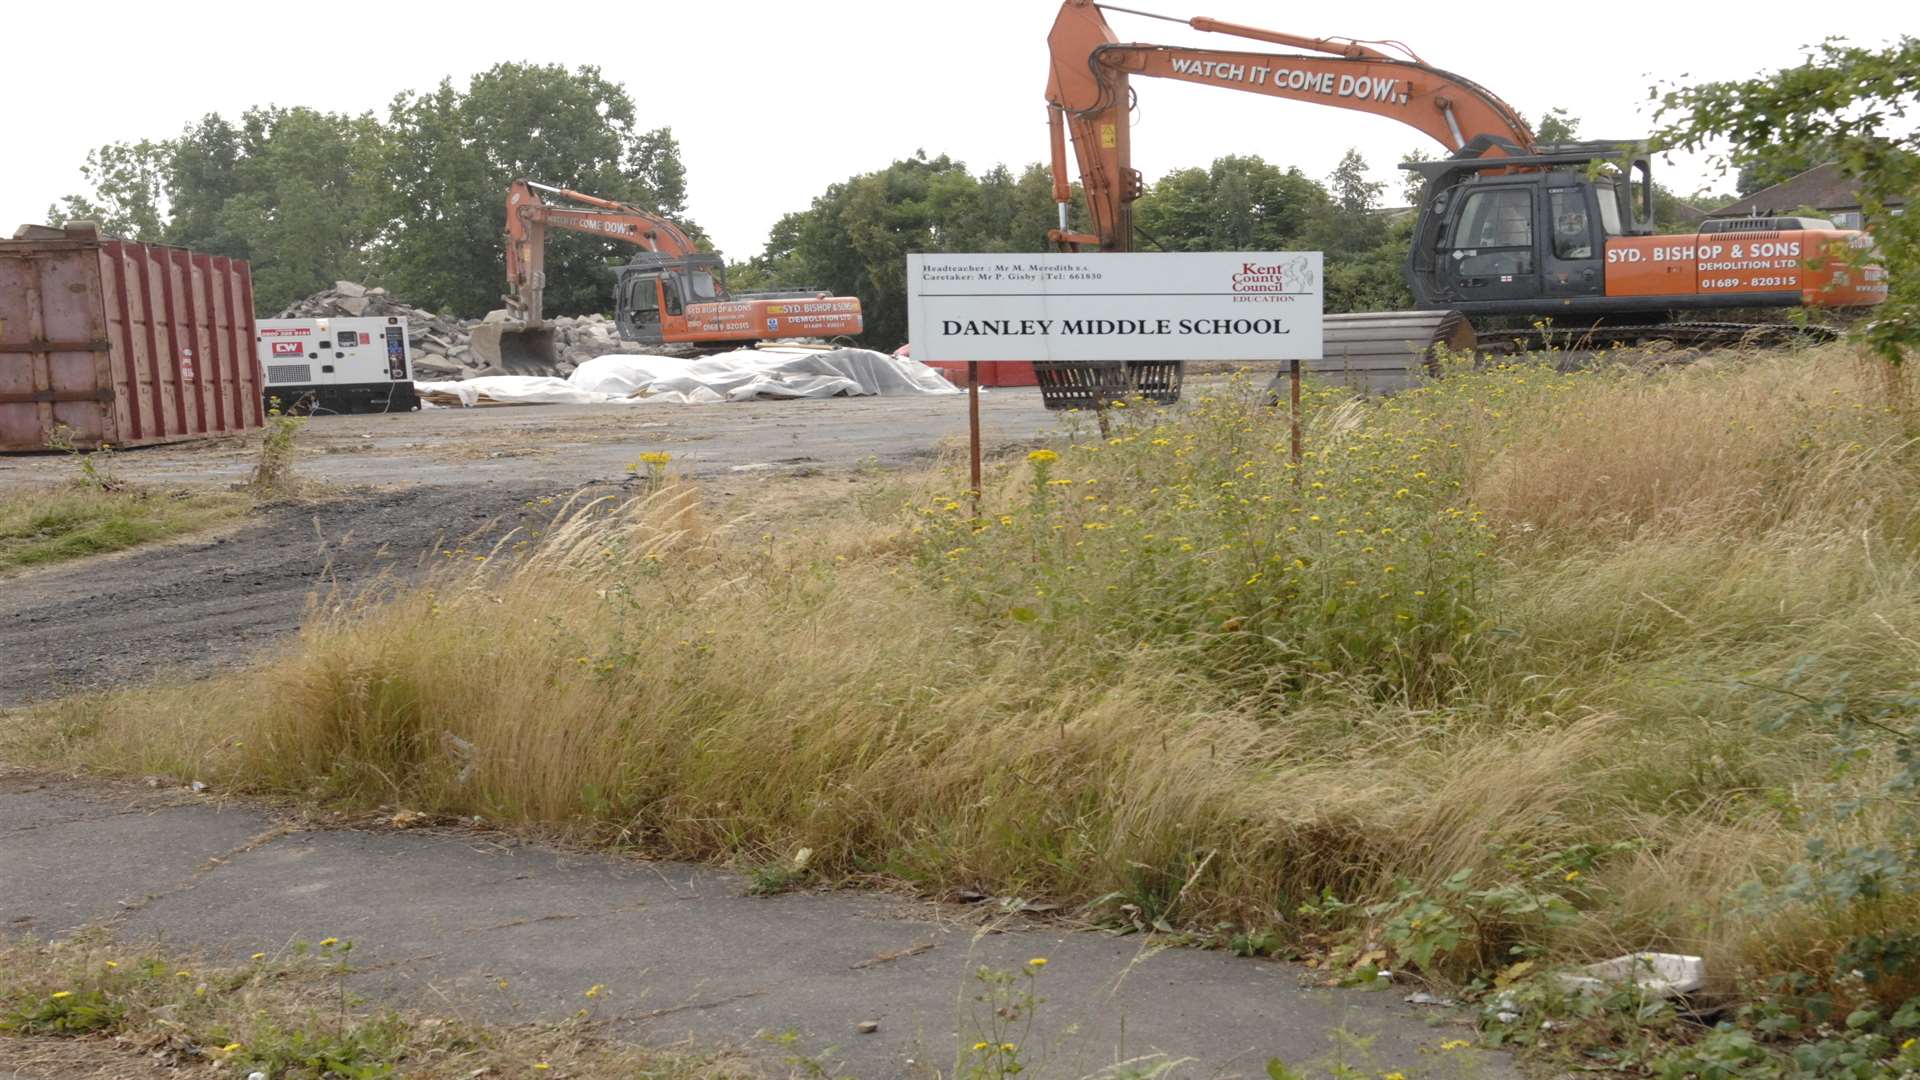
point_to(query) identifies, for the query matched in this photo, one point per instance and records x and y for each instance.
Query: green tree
(290, 190)
(1351, 224)
(129, 191)
(1557, 126)
(1237, 204)
(1845, 103)
(855, 237)
(452, 155)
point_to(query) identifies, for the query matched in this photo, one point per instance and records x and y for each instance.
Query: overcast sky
(772, 101)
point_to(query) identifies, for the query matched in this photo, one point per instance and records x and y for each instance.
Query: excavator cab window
(1572, 233)
(1495, 231)
(1641, 181)
(704, 286)
(675, 303)
(1608, 200)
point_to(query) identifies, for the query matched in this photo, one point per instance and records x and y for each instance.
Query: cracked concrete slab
(441, 919)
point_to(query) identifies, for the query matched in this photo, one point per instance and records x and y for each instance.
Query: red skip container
(122, 342)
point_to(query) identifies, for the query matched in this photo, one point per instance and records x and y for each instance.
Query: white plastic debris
(1662, 975)
(743, 375)
(198, 786)
(1421, 997)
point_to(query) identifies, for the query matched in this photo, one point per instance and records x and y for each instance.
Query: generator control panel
(337, 365)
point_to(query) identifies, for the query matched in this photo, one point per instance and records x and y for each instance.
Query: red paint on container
(123, 343)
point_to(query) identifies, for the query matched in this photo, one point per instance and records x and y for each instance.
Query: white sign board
(1094, 306)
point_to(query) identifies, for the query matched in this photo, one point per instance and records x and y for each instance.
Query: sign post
(1114, 307)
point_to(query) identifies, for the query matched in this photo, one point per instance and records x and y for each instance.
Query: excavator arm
(530, 212)
(1089, 97)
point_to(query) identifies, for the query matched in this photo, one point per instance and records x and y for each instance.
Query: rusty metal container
(123, 343)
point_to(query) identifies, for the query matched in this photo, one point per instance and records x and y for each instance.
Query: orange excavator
(1507, 226)
(671, 293)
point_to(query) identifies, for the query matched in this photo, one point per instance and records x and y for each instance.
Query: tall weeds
(1508, 635)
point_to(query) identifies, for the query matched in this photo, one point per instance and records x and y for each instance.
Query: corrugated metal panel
(123, 342)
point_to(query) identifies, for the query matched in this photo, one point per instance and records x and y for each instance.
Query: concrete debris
(1661, 975)
(442, 349)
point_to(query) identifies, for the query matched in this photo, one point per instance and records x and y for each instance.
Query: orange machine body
(1813, 266)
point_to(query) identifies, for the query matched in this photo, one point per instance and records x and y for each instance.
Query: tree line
(855, 236)
(414, 200)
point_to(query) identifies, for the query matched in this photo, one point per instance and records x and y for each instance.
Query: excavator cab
(1501, 234)
(653, 286)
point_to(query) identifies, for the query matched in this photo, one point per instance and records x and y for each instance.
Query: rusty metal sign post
(973, 432)
(1293, 396)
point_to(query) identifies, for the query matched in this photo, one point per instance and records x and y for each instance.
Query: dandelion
(230, 1048)
(1455, 1044)
(979, 1046)
(541, 1066)
(1042, 456)
(1038, 961)
(1393, 1076)
(183, 974)
(1008, 1048)
(328, 943)
(656, 457)
(596, 990)
(58, 994)
(111, 964)
(1573, 875)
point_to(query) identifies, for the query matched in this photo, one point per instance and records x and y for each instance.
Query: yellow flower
(1393, 1076)
(230, 1048)
(979, 1046)
(1038, 961)
(58, 994)
(1008, 1048)
(502, 984)
(257, 957)
(183, 974)
(328, 943)
(1908, 1045)
(541, 1066)
(1573, 875)
(1042, 455)
(1455, 1044)
(596, 990)
(111, 964)
(656, 457)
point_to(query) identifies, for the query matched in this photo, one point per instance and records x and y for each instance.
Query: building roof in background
(1822, 187)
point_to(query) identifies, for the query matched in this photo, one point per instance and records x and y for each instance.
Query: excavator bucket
(511, 349)
(1385, 351)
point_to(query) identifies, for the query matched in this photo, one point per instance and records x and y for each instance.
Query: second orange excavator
(671, 293)
(1507, 226)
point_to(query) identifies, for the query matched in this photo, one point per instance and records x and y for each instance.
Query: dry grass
(90, 1007)
(1665, 549)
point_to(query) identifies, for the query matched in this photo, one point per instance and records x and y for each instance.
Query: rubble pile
(441, 344)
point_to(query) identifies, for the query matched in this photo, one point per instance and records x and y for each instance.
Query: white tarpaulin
(629, 378)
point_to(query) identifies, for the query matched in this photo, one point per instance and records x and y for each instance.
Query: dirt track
(212, 601)
(391, 486)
